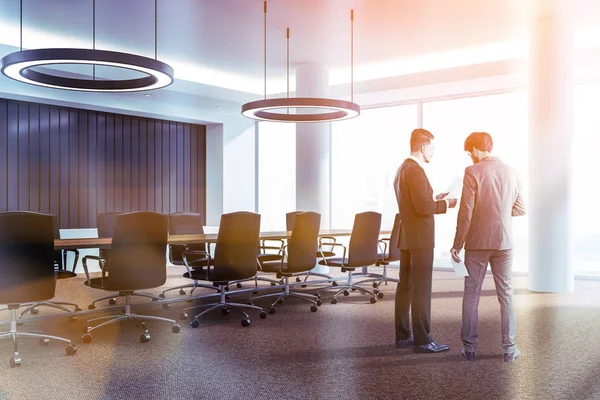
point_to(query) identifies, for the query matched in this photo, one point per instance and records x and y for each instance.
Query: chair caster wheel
(380, 295)
(273, 284)
(375, 291)
(195, 323)
(375, 286)
(353, 289)
(298, 279)
(224, 311)
(280, 301)
(91, 307)
(333, 301)
(112, 302)
(271, 310)
(314, 308)
(182, 291)
(319, 302)
(183, 316)
(238, 285)
(250, 303)
(334, 283)
(70, 350)
(373, 300)
(77, 309)
(227, 297)
(346, 293)
(304, 286)
(245, 322)
(165, 306)
(87, 338)
(144, 337)
(14, 362)
(262, 315)
(44, 342)
(175, 328)
(86, 329)
(35, 310)
(162, 295)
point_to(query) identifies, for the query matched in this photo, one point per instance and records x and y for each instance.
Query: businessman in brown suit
(417, 207)
(491, 195)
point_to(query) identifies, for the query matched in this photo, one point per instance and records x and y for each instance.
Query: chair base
(112, 300)
(225, 307)
(378, 279)
(327, 278)
(350, 286)
(187, 285)
(13, 334)
(127, 315)
(256, 278)
(59, 305)
(287, 293)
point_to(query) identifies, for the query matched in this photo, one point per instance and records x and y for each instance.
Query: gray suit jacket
(490, 197)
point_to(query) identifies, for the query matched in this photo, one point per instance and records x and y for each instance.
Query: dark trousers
(413, 294)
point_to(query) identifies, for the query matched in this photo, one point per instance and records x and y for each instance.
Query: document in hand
(455, 188)
(459, 267)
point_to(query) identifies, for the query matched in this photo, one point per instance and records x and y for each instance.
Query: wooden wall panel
(78, 163)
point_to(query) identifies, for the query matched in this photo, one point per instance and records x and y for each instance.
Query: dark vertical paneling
(194, 168)
(3, 154)
(142, 166)
(13, 156)
(134, 176)
(34, 157)
(82, 168)
(92, 169)
(78, 163)
(166, 168)
(54, 160)
(44, 164)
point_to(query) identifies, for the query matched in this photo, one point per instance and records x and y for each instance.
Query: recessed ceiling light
(147, 95)
(217, 106)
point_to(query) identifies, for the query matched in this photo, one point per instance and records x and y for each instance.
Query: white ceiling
(216, 46)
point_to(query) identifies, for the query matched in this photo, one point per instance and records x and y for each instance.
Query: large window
(505, 117)
(366, 152)
(586, 185)
(276, 173)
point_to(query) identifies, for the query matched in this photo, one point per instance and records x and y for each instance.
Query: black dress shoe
(432, 347)
(405, 342)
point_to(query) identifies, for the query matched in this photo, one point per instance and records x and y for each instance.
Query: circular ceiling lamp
(312, 109)
(20, 66)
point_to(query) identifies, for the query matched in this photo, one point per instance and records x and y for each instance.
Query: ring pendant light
(262, 110)
(19, 66)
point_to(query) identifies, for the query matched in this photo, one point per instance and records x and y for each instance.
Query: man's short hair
(418, 138)
(481, 141)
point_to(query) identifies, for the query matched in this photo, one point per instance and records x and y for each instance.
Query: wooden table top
(94, 243)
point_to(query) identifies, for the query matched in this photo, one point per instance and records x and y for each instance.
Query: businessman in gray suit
(491, 195)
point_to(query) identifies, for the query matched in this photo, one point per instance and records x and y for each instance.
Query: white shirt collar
(416, 160)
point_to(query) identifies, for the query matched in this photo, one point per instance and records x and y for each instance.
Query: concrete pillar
(550, 142)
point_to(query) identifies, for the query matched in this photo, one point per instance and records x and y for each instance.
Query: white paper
(459, 267)
(455, 188)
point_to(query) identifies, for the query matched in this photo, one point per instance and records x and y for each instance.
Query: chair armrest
(194, 252)
(383, 242)
(102, 263)
(278, 248)
(337, 245)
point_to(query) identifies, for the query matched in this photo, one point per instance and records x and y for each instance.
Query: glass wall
(365, 153)
(505, 117)
(276, 173)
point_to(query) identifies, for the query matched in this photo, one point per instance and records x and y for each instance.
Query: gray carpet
(342, 351)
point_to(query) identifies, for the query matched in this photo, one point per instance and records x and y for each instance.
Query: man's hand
(441, 196)
(454, 253)
(452, 203)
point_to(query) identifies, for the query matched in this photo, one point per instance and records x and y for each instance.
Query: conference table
(104, 242)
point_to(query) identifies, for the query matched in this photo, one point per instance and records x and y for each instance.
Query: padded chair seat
(96, 283)
(197, 275)
(326, 254)
(336, 262)
(273, 266)
(262, 258)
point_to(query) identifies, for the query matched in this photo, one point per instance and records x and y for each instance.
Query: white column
(550, 142)
(313, 149)
(313, 146)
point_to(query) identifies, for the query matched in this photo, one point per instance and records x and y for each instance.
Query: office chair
(299, 256)
(362, 252)
(27, 270)
(137, 261)
(235, 259)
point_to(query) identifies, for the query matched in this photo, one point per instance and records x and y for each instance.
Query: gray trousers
(476, 262)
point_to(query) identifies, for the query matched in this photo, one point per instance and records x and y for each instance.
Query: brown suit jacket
(491, 195)
(417, 207)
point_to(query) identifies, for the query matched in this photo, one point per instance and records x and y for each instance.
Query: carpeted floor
(344, 351)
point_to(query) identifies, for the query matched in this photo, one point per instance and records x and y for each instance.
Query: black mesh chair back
(302, 247)
(290, 218)
(184, 224)
(235, 251)
(393, 248)
(363, 250)
(26, 257)
(106, 226)
(137, 253)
